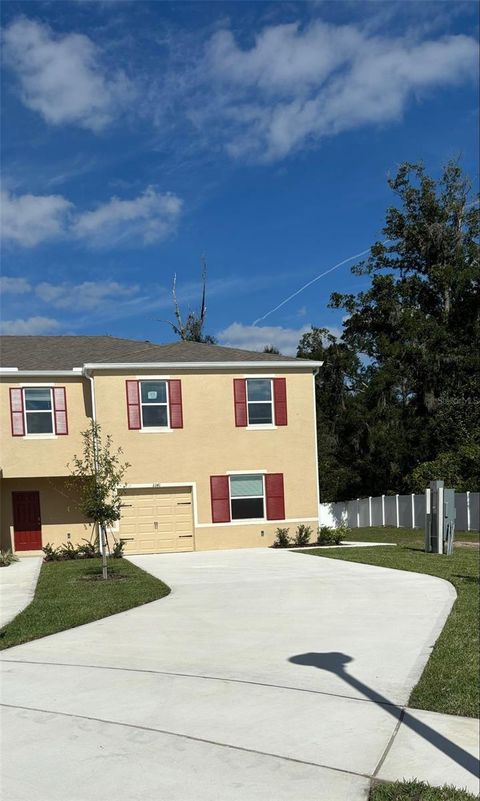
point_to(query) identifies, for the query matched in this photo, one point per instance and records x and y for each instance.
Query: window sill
(40, 436)
(261, 427)
(155, 430)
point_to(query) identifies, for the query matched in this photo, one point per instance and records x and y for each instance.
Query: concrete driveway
(265, 675)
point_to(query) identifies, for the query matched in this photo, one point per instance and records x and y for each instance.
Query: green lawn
(417, 791)
(68, 594)
(449, 682)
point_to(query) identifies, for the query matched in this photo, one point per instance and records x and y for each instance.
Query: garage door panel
(157, 520)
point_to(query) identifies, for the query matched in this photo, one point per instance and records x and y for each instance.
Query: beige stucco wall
(244, 535)
(43, 456)
(209, 442)
(59, 513)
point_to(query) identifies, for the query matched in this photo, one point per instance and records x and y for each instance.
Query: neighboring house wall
(209, 443)
(43, 455)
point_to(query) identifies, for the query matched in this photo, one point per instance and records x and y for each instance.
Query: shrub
(117, 550)
(7, 557)
(67, 550)
(343, 530)
(282, 540)
(302, 536)
(51, 554)
(329, 536)
(89, 550)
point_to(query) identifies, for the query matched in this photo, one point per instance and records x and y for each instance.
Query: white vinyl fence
(398, 510)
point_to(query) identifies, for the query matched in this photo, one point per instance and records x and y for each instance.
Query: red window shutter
(275, 496)
(280, 401)
(240, 399)
(16, 412)
(220, 495)
(175, 403)
(133, 404)
(60, 410)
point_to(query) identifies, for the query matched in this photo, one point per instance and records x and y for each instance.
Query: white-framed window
(154, 404)
(247, 497)
(259, 401)
(38, 410)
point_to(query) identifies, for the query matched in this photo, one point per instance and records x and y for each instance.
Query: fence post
(358, 512)
(397, 510)
(413, 510)
(383, 510)
(369, 510)
(467, 500)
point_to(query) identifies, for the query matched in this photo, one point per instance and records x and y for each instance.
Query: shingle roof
(66, 352)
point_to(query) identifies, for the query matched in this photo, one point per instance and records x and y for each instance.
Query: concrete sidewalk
(17, 586)
(439, 749)
(263, 675)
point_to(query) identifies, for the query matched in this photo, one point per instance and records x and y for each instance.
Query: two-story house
(221, 441)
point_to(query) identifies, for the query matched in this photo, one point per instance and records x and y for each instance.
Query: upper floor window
(39, 410)
(259, 401)
(154, 403)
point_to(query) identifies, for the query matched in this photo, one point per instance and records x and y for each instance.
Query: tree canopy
(398, 396)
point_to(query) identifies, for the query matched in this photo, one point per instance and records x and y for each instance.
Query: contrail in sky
(317, 278)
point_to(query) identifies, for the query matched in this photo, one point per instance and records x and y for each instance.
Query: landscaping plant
(97, 476)
(282, 540)
(51, 554)
(302, 536)
(117, 550)
(68, 551)
(7, 557)
(89, 550)
(329, 536)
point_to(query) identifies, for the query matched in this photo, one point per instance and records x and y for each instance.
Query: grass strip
(449, 682)
(69, 594)
(417, 791)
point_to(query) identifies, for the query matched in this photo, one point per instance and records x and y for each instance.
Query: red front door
(27, 524)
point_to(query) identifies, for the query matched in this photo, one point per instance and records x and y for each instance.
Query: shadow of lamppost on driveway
(335, 662)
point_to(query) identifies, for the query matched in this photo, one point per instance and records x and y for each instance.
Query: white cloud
(31, 325)
(150, 217)
(296, 85)
(30, 219)
(61, 76)
(14, 286)
(88, 295)
(255, 337)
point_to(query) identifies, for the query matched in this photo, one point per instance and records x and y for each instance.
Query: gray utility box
(439, 518)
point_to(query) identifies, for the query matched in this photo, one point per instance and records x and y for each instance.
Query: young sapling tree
(96, 478)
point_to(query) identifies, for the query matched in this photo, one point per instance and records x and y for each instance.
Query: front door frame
(27, 539)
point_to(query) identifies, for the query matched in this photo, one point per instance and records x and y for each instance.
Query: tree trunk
(104, 552)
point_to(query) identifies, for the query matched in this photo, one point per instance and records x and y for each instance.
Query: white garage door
(157, 520)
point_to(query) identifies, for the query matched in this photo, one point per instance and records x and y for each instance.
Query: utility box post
(448, 520)
(428, 520)
(439, 518)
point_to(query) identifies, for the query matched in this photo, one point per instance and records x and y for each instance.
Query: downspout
(87, 374)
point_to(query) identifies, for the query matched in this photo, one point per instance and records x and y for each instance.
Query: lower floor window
(247, 497)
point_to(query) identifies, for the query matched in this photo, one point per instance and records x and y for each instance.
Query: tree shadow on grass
(467, 579)
(335, 662)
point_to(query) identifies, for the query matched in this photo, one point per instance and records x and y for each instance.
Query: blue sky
(138, 137)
